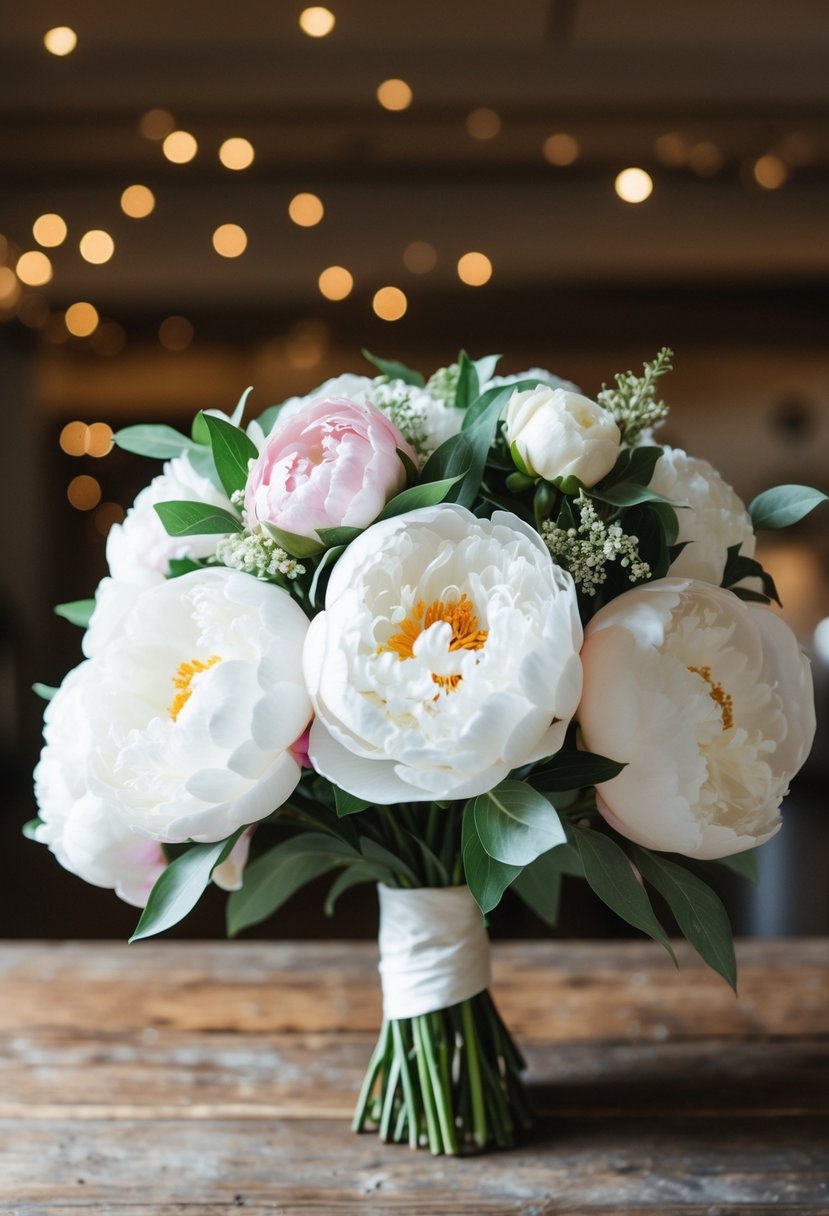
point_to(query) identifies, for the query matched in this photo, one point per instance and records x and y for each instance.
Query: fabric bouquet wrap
(446, 638)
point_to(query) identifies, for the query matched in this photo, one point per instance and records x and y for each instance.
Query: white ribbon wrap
(434, 949)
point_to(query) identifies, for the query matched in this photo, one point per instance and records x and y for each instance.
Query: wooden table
(210, 1077)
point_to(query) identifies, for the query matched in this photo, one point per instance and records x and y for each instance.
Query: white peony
(446, 656)
(189, 715)
(139, 550)
(562, 434)
(715, 517)
(709, 702)
(78, 828)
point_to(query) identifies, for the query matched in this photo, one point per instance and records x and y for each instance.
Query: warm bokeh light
(33, 310)
(34, 268)
(474, 269)
(483, 123)
(109, 339)
(705, 158)
(420, 257)
(236, 153)
(155, 124)
(137, 202)
(81, 319)
(306, 210)
(9, 286)
(335, 283)
(83, 492)
(179, 147)
(394, 95)
(108, 513)
(306, 344)
(316, 21)
(560, 149)
(770, 172)
(633, 185)
(390, 303)
(49, 230)
(671, 149)
(98, 439)
(60, 41)
(175, 333)
(230, 240)
(73, 438)
(96, 246)
(797, 148)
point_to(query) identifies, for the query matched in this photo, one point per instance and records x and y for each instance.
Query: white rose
(190, 713)
(714, 520)
(447, 655)
(85, 836)
(140, 549)
(562, 434)
(709, 702)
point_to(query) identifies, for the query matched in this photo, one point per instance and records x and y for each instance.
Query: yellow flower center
(466, 635)
(183, 680)
(719, 695)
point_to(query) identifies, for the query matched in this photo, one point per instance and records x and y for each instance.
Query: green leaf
(77, 612)
(347, 878)
(268, 418)
(666, 517)
(465, 455)
(294, 544)
(348, 804)
(610, 874)
(738, 567)
(633, 465)
(232, 451)
(179, 888)
(468, 388)
(515, 824)
(427, 495)
(177, 566)
(574, 770)
(378, 853)
(271, 880)
(338, 537)
(46, 691)
(239, 411)
(198, 431)
(486, 878)
(744, 864)
(316, 593)
(539, 884)
(395, 370)
(698, 911)
(518, 461)
(628, 494)
(485, 367)
(30, 828)
(158, 441)
(196, 519)
(784, 505)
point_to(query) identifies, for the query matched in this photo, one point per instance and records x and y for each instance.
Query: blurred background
(196, 197)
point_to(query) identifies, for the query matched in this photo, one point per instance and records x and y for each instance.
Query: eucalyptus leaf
(293, 543)
(76, 612)
(179, 887)
(232, 452)
(515, 824)
(271, 880)
(629, 494)
(45, 691)
(486, 878)
(395, 370)
(698, 910)
(196, 519)
(574, 770)
(784, 505)
(155, 440)
(29, 829)
(427, 495)
(608, 871)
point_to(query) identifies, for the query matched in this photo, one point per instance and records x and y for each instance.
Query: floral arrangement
(448, 638)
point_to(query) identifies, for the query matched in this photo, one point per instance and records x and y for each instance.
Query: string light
(770, 172)
(390, 303)
(60, 41)
(83, 492)
(420, 257)
(34, 268)
(394, 95)
(155, 124)
(96, 246)
(236, 153)
(49, 230)
(316, 22)
(633, 185)
(230, 240)
(560, 149)
(483, 123)
(81, 319)
(474, 269)
(175, 334)
(335, 283)
(138, 202)
(179, 147)
(306, 210)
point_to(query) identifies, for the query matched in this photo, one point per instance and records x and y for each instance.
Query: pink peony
(334, 463)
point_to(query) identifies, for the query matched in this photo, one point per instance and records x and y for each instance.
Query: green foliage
(468, 388)
(29, 829)
(158, 441)
(76, 612)
(346, 879)
(632, 401)
(515, 824)
(784, 505)
(232, 452)
(427, 495)
(45, 691)
(294, 544)
(571, 770)
(738, 567)
(539, 883)
(395, 370)
(486, 878)
(181, 518)
(348, 804)
(179, 887)
(744, 864)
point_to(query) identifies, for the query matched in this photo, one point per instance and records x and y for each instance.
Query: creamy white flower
(714, 520)
(139, 550)
(709, 702)
(559, 434)
(85, 836)
(446, 656)
(202, 697)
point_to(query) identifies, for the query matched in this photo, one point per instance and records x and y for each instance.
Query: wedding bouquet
(446, 638)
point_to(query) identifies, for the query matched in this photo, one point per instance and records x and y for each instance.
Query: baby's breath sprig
(257, 554)
(632, 401)
(587, 549)
(398, 402)
(443, 385)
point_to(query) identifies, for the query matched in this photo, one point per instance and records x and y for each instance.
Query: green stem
(425, 1089)
(376, 1063)
(479, 1121)
(440, 1089)
(409, 1099)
